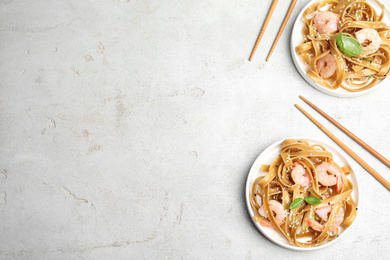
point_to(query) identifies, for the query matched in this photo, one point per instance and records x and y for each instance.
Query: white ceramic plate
(267, 157)
(297, 39)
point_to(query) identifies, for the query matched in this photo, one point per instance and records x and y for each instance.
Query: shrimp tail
(266, 223)
(339, 184)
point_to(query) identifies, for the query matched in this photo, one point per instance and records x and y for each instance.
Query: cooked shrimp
(300, 175)
(370, 40)
(326, 66)
(332, 178)
(278, 211)
(314, 224)
(326, 22)
(323, 212)
(339, 219)
(318, 227)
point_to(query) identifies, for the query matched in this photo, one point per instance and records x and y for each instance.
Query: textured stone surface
(127, 130)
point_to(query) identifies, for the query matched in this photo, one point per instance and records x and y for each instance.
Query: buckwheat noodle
(360, 72)
(278, 185)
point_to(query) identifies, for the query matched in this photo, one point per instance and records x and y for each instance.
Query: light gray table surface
(127, 130)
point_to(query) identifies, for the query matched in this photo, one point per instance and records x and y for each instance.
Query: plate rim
(248, 186)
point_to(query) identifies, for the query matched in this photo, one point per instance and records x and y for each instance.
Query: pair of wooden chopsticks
(270, 12)
(374, 173)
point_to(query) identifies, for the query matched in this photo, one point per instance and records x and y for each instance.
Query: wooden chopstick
(270, 12)
(375, 174)
(349, 133)
(290, 9)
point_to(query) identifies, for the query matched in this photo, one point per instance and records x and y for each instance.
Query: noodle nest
(276, 185)
(352, 74)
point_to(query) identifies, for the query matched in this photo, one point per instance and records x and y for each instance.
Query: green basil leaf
(350, 46)
(296, 203)
(383, 6)
(370, 76)
(313, 200)
(314, 217)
